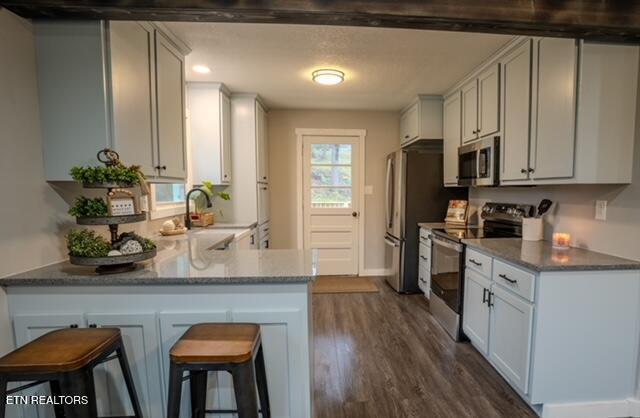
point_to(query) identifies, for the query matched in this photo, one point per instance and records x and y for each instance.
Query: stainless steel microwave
(478, 163)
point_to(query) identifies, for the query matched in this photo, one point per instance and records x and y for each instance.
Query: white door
(475, 321)
(470, 111)
(511, 329)
(452, 137)
(516, 95)
(553, 145)
(489, 102)
(330, 199)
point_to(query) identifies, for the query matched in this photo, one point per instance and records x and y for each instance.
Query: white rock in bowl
(114, 253)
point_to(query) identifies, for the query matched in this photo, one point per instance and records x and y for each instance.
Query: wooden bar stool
(65, 359)
(215, 347)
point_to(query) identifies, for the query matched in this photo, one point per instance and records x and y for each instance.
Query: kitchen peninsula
(187, 283)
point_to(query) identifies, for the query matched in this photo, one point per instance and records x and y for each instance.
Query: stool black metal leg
(79, 383)
(244, 386)
(198, 383)
(175, 391)
(261, 377)
(3, 396)
(55, 391)
(128, 379)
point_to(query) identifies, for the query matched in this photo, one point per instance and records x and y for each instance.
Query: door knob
(354, 214)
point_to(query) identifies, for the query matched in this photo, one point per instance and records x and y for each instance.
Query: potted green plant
(201, 217)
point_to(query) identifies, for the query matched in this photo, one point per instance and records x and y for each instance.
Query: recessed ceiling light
(202, 69)
(328, 77)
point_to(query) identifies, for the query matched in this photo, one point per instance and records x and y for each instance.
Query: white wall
(382, 138)
(30, 209)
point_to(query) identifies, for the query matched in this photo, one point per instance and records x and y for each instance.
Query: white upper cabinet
(516, 76)
(470, 111)
(553, 134)
(262, 143)
(481, 105)
(422, 119)
(111, 84)
(452, 138)
(210, 133)
(489, 101)
(133, 93)
(170, 82)
(557, 105)
(250, 192)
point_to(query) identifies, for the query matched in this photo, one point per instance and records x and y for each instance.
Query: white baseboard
(603, 409)
(372, 272)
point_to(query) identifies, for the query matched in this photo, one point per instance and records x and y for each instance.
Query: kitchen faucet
(187, 221)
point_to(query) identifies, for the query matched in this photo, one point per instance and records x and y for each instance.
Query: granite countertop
(541, 256)
(186, 259)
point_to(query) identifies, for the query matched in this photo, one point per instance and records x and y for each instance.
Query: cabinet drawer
(425, 237)
(424, 279)
(478, 262)
(424, 254)
(519, 281)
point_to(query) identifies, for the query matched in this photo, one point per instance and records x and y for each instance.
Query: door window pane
(330, 153)
(328, 175)
(330, 197)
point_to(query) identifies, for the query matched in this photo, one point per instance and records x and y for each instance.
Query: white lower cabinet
(510, 336)
(141, 343)
(475, 319)
(498, 322)
(27, 328)
(548, 332)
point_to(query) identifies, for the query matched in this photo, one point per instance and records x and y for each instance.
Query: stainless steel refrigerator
(414, 193)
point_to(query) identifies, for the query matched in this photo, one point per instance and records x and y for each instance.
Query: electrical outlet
(601, 210)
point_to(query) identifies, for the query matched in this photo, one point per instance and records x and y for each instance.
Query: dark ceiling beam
(606, 20)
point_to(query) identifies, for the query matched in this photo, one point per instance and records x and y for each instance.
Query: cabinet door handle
(477, 263)
(524, 170)
(406, 136)
(73, 326)
(531, 170)
(484, 295)
(93, 326)
(423, 280)
(424, 258)
(504, 276)
(490, 299)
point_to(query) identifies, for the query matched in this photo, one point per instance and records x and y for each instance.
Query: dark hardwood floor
(384, 355)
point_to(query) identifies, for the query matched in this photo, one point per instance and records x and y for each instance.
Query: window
(169, 193)
(167, 200)
(331, 174)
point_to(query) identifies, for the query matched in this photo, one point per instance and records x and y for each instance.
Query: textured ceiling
(385, 68)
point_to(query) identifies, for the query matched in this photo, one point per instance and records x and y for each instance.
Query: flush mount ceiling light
(202, 69)
(327, 77)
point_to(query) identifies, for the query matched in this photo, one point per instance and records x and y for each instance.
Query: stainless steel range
(501, 220)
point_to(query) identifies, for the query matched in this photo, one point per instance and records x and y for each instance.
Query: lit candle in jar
(561, 240)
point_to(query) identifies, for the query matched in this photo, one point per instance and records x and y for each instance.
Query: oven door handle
(452, 245)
